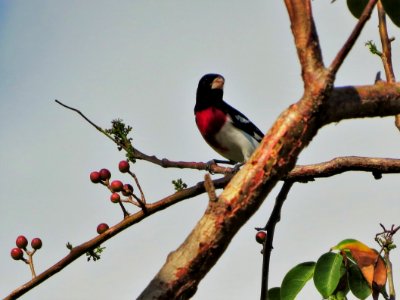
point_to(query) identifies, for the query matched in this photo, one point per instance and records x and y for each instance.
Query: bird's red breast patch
(210, 121)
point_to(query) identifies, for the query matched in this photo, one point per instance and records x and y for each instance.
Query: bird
(229, 132)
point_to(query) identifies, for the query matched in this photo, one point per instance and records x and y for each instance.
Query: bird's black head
(209, 90)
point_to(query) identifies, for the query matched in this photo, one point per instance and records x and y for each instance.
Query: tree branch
(299, 173)
(386, 47)
(80, 250)
(165, 163)
(376, 166)
(274, 218)
(378, 100)
(306, 39)
(342, 54)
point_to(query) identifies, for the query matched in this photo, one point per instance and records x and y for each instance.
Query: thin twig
(83, 116)
(274, 218)
(143, 199)
(165, 163)
(377, 166)
(386, 52)
(386, 44)
(125, 212)
(341, 55)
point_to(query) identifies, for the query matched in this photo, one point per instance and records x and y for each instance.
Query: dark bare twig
(274, 218)
(83, 116)
(341, 55)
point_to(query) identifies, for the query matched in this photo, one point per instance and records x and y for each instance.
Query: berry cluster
(18, 253)
(120, 192)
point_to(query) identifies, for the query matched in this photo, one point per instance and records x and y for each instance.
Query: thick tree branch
(274, 158)
(298, 174)
(305, 38)
(378, 100)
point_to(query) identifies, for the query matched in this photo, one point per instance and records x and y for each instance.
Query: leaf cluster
(95, 254)
(119, 131)
(356, 268)
(179, 184)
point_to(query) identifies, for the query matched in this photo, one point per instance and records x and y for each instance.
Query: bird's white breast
(239, 144)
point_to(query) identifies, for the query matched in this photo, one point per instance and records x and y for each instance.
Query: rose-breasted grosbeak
(224, 128)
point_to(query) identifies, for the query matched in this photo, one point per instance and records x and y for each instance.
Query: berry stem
(126, 214)
(143, 199)
(29, 261)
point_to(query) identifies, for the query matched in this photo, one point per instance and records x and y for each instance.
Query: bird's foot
(236, 168)
(212, 162)
(209, 165)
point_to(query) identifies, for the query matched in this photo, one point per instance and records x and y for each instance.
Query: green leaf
(295, 280)
(327, 273)
(358, 285)
(179, 185)
(338, 296)
(274, 293)
(356, 7)
(392, 8)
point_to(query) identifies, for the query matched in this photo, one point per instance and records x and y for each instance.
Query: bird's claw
(209, 166)
(236, 167)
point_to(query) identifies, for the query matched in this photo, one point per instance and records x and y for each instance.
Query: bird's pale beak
(218, 83)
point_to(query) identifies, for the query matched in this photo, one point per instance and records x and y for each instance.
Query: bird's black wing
(242, 122)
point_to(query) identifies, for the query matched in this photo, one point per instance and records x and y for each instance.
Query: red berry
(105, 174)
(123, 166)
(17, 254)
(102, 228)
(127, 189)
(116, 186)
(36, 243)
(261, 236)
(95, 177)
(21, 242)
(115, 198)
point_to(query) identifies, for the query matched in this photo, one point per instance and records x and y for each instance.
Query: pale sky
(141, 61)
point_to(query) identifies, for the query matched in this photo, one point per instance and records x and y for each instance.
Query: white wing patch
(241, 119)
